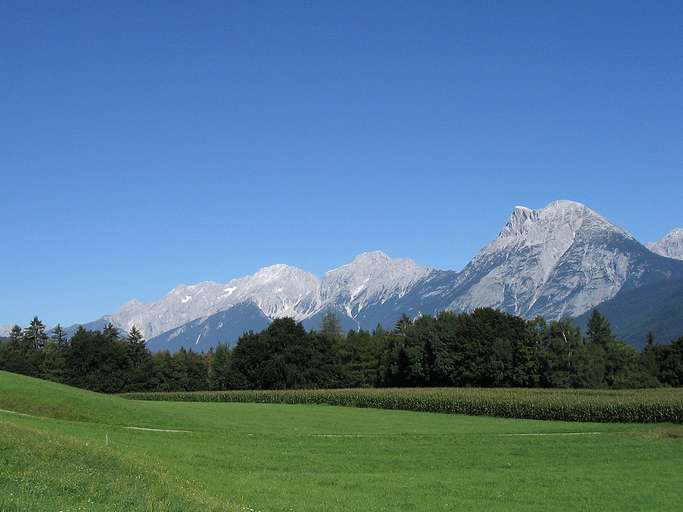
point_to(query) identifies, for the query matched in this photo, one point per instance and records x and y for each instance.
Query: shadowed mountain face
(633, 313)
(205, 333)
(559, 261)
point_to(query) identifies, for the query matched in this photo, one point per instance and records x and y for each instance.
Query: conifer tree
(59, 336)
(35, 336)
(331, 326)
(16, 336)
(110, 331)
(599, 331)
(135, 336)
(403, 324)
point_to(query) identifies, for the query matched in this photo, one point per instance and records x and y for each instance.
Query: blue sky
(146, 144)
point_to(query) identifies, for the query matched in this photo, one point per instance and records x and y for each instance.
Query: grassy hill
(67, 449)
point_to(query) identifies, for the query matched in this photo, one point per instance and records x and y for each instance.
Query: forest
(484, 348)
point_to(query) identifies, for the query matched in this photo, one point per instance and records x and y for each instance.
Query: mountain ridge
(557, 261)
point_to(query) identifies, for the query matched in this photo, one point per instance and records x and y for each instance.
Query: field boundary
(600, 406)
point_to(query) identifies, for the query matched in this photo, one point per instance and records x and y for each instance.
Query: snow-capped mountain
(278, 291)
(5, 330)
(558, 261)
(371, 278)
(670, 246)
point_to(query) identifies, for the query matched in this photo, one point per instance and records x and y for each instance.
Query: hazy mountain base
(633, 313)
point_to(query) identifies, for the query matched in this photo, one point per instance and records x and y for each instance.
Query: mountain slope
(632, 313)
(670, 246)
(204, 333)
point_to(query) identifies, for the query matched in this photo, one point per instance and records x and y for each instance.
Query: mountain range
(559, 262)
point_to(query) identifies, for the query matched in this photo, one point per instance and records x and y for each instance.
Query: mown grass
(643, 405)
(273, 457)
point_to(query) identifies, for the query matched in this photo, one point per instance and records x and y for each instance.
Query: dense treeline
(485, 348)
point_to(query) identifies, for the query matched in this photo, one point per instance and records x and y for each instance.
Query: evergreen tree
(599, 331)
(135, 337)
(58, 336)
(54, 362)
(34, 335)
(111, 332)
(220, 370)
(16, 337)
(402, 324)
(330, 326)
(140, 373)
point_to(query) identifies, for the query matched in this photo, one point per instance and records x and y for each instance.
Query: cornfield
(640, 406)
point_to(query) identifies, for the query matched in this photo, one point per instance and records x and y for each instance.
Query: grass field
(70, 450)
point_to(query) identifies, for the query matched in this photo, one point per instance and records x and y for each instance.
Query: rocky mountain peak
(670, 246)
(565, 249)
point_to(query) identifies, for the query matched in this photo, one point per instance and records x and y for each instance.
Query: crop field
(64, 449)
(642, 405)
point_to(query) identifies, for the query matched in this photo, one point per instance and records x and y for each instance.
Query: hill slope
(634, 312)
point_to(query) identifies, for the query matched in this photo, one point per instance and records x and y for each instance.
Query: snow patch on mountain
(371, 278)
(278, 290)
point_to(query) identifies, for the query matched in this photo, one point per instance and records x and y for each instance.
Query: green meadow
(65, 449)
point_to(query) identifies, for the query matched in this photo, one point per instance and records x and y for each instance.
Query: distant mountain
(204, 333)
(558, 261)
(670, 246)
(5, 330)
(278, 291)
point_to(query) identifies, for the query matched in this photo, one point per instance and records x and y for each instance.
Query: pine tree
(331, 326)
(59, 336)
(16, 336)
(54, 362)
(135, 336)
(403, 324)
(599, 331)
(110, 331)
(34, 335)
(140, 373)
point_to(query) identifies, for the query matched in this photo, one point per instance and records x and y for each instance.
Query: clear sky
(147, 144)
